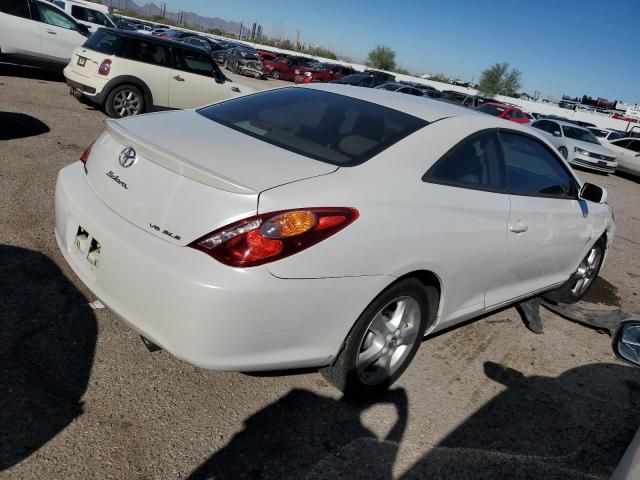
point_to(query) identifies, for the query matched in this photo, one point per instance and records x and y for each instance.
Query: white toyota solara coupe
(323, 226)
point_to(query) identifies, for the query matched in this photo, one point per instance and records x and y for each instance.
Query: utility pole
(240, 36)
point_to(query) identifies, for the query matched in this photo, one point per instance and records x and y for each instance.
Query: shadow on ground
(36, 73)
(47, 341)
(575, 426)
(305, 435)
(19, 125)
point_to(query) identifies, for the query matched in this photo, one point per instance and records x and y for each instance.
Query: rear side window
(325, 126)
(147, 52)
(17, 8)
(104, 42)
(532, 169)
(193, 62)
(473, 163)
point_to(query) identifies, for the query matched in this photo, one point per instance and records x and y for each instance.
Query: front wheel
(563, 151)
(275, 75)
(384, 340)
(582, 279)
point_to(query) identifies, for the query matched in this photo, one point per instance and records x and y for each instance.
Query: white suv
(131, 73)
(37, 32)
(93, 15)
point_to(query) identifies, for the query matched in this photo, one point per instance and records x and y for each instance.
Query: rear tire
(384, 340)
(583, 278)
(125, 101)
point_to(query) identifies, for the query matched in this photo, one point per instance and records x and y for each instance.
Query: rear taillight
(105, 67)
(85, 155)
(271, 236)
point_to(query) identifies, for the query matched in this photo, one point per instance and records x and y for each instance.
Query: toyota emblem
(128, 157)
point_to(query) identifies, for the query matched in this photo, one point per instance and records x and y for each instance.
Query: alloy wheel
(587, 271)
(126, 103)
(388, 340)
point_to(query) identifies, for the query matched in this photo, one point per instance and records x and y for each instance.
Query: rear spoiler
(174, 162)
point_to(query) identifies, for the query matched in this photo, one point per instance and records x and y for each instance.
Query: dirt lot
(80, 396)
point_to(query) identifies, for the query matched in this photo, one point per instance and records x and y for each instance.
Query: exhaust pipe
(152, 347)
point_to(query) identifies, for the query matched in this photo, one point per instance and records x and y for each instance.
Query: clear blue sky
(575, 47)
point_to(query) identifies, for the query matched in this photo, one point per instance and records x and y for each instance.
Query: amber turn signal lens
(289, 224)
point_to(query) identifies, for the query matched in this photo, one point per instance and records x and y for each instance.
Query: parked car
(578, 145)
(431, 91)
(401, 88)
(38, 33)
(627, 152)
(284, 68)
(269, 56)
(211, 46)
(232, 235)
(506, 112)
(605, 134)
(130, 73)
(321, 72)
(91, 14)
(244, 60)
(370, 79)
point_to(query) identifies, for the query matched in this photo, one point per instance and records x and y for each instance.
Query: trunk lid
(191, 175)
(89, 66)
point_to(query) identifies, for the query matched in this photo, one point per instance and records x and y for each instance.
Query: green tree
(499, 80)
(382, 57)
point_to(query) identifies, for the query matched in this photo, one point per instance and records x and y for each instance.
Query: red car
(322, 72)
(265, 55)
(500, 110)
(284, 68)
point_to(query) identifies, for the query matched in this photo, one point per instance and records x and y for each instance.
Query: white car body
(486, 249)
(584, 154)
(93, 15)
(627, 151)
(163, 84)
(46, 36)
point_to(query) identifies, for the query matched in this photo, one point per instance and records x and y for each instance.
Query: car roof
(564, 123)
(151, 38)
(425, 108)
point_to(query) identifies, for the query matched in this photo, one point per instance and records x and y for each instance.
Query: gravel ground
(80, 396)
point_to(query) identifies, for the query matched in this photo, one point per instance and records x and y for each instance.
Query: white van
(93, 15)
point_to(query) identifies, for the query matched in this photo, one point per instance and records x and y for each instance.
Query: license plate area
(87, 247)
(82, 61)
(602, 164)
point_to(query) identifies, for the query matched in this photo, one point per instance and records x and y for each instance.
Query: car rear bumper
(198, 309)
(593, 164)
(87, 86)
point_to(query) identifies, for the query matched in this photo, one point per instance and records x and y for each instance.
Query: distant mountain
(189, 19)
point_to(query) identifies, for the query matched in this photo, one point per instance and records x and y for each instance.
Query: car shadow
(19, 125)
(26, 71)
(575, 426)
(47, 341)
(306, 435)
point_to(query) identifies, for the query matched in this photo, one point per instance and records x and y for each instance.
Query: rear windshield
(321, 125)
(491, 109)
(103, 41)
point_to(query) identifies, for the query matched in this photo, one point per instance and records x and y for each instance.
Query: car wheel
(275, 75)
(125, 101)
(582, 279)
(384, 340)
(563, 151)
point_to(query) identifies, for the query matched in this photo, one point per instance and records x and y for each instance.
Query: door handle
(518, 228)
(51, 32)
(178, 78)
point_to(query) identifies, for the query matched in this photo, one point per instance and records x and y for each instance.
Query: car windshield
(581, 134)
(325, 126)
(491, 109)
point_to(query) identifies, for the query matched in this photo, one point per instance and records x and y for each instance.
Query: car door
(59, 33)
(93, 19)
(19, 33)
(192, 83)
(548, 226)
(469, 202)
(629, 161)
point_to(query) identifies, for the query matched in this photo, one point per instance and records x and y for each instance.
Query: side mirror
(593, 193)
(626, 342)
(83, 30)
(556, 133)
